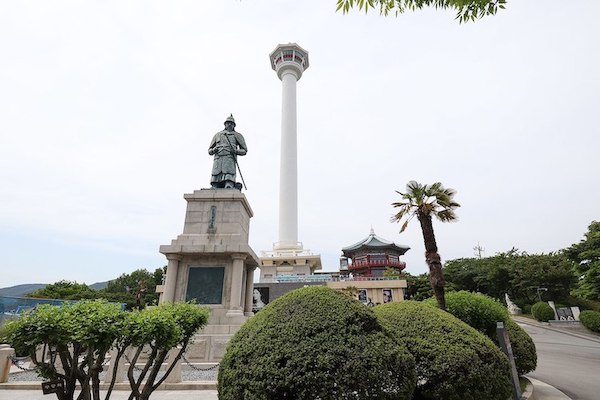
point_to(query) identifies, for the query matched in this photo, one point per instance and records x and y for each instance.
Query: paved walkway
(541, 391)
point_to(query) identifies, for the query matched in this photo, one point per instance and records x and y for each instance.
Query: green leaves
(523, 347)
(136, 290)
(164, 326)
(476, 309)
(453, 360)
(482, 313)
(466, 10)
(89, 328)
(591, 320)
(517, 273)
(427, 200)
(314, 343)
(586, 256)
(542, 311)
(66, 290)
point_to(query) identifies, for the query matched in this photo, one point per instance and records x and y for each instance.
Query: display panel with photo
(387, 296)
(362, 295)
(260, 298)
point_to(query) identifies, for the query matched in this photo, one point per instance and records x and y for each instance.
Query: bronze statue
(226, 146)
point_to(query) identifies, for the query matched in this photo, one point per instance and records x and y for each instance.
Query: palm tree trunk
(433, 260)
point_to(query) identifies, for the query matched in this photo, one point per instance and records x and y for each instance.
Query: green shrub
(542, 311)
(523, 347)
(477, 310)
(524, 306)
(453, 360)
(584, 304)
(76, 337)
(482, 313)
(591, 320)
(315, 343)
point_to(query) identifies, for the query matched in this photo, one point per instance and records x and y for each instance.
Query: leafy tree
(418, 287)
(77, 337)
(159, 328)
(392, 273)
(465, 9)
(351, 291)
(66, 290)
(136, 289)
(517, 273)
(586, 256)
(551, 271)
(425, 201)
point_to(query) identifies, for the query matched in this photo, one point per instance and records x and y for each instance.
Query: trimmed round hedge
(482, 312)
(315, 343)
(523, 347)
(542, 311)
(591, 320)
(453, 360)
(475, 309)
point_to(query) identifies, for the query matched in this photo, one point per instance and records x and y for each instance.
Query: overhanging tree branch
(466, 10)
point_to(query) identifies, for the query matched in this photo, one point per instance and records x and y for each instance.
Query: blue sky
(108, 109)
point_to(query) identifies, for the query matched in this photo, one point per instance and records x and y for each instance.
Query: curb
(528, 392)
(543, 391)
(587, 336)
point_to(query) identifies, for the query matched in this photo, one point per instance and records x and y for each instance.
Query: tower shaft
(288, 178)
(289, 257)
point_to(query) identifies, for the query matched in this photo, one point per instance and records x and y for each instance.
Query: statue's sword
(235, 161)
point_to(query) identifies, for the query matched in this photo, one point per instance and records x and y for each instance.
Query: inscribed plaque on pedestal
(205, 285)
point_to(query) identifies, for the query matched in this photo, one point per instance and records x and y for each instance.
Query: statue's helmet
(230, 119)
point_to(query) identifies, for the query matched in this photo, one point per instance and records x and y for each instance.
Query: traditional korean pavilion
(371, 257)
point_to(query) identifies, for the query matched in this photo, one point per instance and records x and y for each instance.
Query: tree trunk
(433, 260)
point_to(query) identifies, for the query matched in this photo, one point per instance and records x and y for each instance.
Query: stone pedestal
(6, 352)
(212, 263)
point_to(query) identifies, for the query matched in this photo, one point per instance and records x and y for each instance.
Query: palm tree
(425, 201)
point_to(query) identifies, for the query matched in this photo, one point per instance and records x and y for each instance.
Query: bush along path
(315, 343)
(482, 313)
(453, 360)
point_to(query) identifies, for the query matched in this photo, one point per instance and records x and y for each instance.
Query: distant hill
(22, 290)
(99, 285)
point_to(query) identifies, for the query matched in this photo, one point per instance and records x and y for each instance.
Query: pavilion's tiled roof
(375, 242)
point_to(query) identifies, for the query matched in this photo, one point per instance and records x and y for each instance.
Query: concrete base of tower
(286, 262)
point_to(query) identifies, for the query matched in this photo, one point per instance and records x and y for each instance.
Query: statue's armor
(226, 146)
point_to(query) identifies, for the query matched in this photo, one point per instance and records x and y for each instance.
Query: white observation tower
(288, 257)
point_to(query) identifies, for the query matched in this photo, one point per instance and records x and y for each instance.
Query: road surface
(569, 363)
